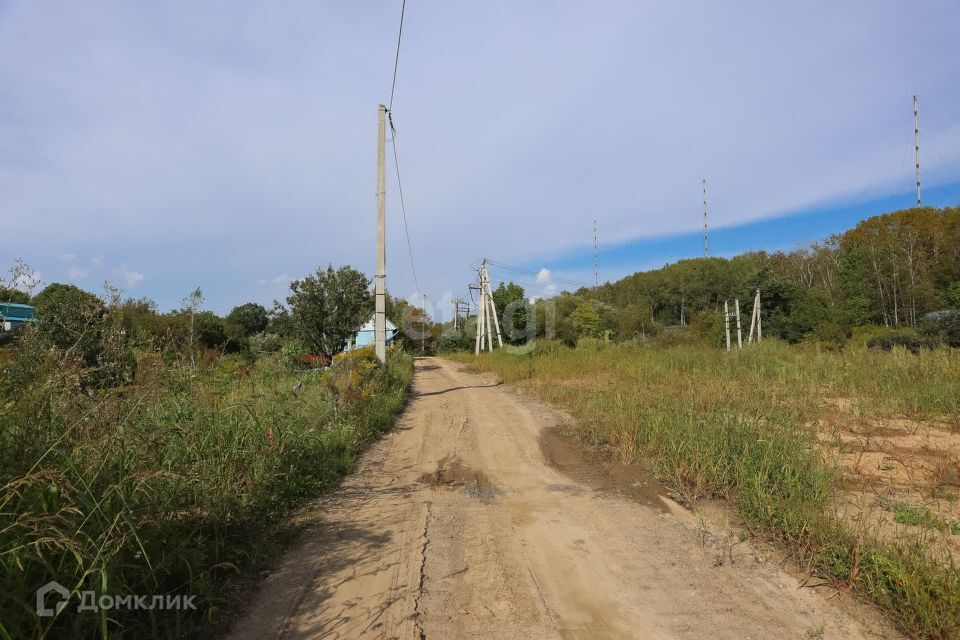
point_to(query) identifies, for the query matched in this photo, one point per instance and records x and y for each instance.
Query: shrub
(906, 339)
(942, 327)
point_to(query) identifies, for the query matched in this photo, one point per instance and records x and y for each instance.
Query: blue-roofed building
(13, 316)
(365, 334)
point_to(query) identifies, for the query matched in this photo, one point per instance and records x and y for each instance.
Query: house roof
(367, 325)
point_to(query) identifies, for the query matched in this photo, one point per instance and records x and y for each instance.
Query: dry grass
(760, 428)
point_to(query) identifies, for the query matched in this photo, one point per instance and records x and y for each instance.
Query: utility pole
(380, 288)
(596, 257)
(726, 320)
(459, 304)
(487, 320)
(916, 141)
(755, 319)
(706, 242)
(423, 320)
(736, 307)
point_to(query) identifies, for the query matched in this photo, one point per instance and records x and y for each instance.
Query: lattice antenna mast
(706, 239)
(596, 256)
(916, 141)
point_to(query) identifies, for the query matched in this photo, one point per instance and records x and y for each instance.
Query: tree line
(890, 271)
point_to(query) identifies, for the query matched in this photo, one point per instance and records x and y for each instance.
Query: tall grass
(170, 486)
(737, 426)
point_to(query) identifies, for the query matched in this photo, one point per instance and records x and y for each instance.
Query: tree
(13, 296)
(586, 321)
(326, 307)
(513, 308)
(244, 321)
(71, 319)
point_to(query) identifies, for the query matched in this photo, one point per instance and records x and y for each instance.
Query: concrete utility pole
(706, 242)
(755, 319)
(736, 307)
(458, 304)
(596, 257)
(916, 141)
(423, 320)
(380, 284)
(726, 320)
(487, 320)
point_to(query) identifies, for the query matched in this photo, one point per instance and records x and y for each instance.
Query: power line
(571, 281)
(396, 60)
(403, 206)
(393, 143)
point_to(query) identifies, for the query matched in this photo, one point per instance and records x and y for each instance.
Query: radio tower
(916, 142)
(706, 241)
(596, 257)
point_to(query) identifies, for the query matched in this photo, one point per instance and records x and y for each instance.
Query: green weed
(737, 426)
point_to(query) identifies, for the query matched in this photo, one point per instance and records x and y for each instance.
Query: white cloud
(67, 257)
(261, 281)
(282, 279)
(96, 261)
(130, 278)
(77, 273)
(133, 278)
(543, 276)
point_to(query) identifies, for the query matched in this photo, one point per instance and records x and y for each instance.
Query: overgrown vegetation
(147, 454)
(737, 426)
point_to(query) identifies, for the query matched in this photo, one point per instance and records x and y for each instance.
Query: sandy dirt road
(473, 519)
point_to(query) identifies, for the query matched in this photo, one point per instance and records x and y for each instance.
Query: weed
(736, 426)
(171, 485)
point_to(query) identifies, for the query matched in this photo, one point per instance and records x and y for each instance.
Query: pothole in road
(451, 474)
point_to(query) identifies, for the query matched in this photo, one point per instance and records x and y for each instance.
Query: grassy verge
(171, 486)
(737, 426)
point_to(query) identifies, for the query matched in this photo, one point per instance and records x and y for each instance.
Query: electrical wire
(393, 144)
(403, 206)
(396, 60)
(559, 279)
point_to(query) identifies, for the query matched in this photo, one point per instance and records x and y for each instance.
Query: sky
(231, 145)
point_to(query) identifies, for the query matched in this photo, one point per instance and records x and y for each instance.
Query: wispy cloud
(67, 257)
(77, 273)
(130, 277)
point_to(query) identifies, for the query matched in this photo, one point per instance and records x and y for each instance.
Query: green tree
(586, 321)
(71, 319)
(247, 319)
(14, 296)
(243, 322)
(326, 307)
(514, 312)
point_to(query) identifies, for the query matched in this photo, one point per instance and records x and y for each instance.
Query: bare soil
(477, 518)
(891, 461)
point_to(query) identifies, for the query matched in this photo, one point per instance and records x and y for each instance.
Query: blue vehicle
(13, 316)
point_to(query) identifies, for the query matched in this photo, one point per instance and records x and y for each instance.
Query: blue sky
(230, 146)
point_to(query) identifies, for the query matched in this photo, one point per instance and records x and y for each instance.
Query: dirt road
(472, 519)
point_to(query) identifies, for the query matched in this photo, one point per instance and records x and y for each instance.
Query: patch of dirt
(451, 473)
(600, 471)
(895, 465)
